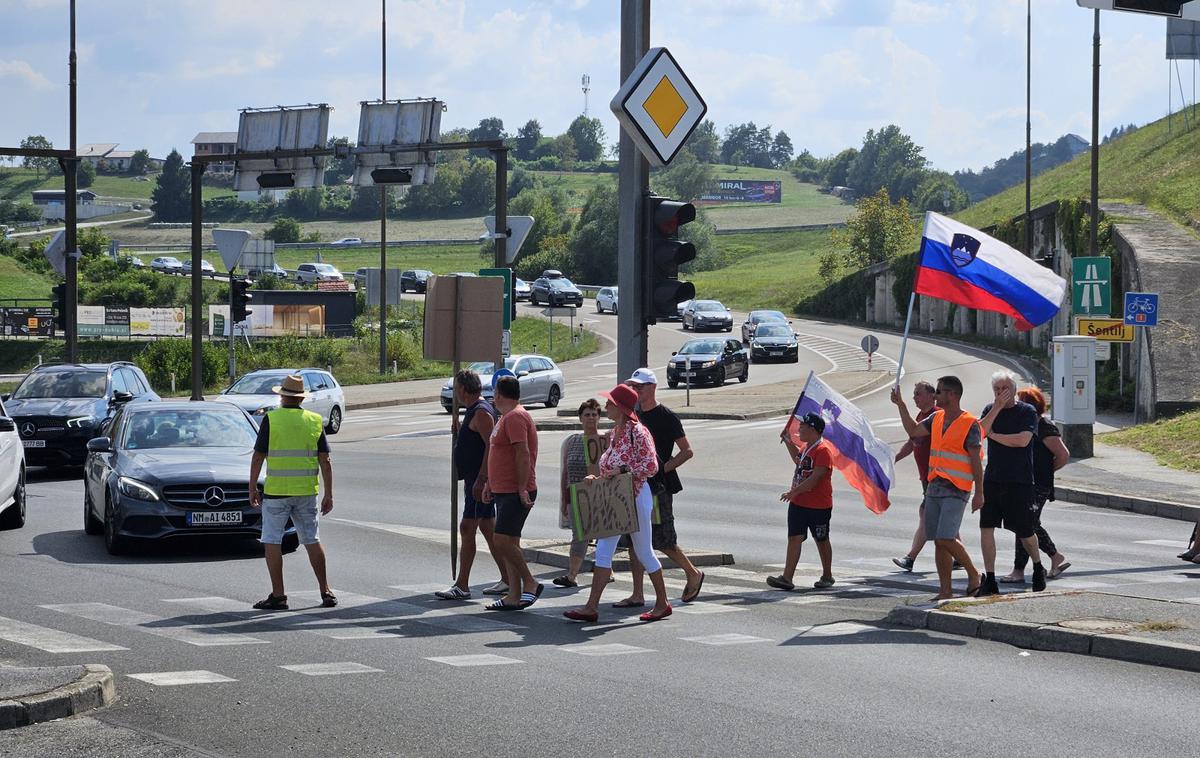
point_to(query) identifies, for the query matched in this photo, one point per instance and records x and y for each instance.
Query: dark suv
(555, 291)
(415, 280)
(58, 408)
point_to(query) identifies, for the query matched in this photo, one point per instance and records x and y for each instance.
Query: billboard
(745, 191)
(27, 322)
(156, 322)
(1183, 39)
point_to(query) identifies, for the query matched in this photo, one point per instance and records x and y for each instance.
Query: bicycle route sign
(1141, 308)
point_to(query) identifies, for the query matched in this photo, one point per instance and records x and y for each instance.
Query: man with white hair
(1010, 500)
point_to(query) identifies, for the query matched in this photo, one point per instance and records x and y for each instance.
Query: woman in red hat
(631, 449)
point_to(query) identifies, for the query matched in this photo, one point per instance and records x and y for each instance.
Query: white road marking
(1160, 543)
(50, 640)
(725, 639)
(837, 629)
(200, 636)
(331, 669)
(615, 648)
(486, 659)
(700, 608)
(176, 678)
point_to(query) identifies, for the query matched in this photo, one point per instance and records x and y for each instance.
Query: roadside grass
(1159, 626)
(766, 270)
(17, 282)
(1173, 442)
(440, 259)
(17, 183)
(367, 229)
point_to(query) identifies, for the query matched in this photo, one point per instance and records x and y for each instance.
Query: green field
(1147, 166)
(17, 183)
(770, 270)
(16, 282)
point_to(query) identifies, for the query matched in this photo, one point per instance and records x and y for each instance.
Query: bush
(162, 357)
(403, 349)
(285, 230)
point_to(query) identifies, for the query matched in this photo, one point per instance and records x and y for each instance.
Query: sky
(950, 73)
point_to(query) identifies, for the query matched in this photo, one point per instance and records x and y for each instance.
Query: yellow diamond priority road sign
(658, 107)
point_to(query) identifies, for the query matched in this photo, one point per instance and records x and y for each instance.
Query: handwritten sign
(603, 507)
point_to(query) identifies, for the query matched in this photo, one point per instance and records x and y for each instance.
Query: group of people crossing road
(496, 454)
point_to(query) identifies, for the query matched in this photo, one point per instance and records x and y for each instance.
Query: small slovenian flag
(865, 460)
(967, 267)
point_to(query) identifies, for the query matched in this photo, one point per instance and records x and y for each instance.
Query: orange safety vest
(948, 454)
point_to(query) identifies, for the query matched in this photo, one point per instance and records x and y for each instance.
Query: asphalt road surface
(745, 671)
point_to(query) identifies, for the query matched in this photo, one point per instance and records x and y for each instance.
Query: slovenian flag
(864, 459)
(967, 267)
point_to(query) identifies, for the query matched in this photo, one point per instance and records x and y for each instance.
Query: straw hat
(293, 386)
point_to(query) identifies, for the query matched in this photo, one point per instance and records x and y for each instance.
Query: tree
(781, 149)
(939, 192)
(489, 129)
(338, 170)
(704, 142)
(520, 179)
(86, 175)
(837, 170)
(139, 164)
(588, 134)
(563, 148)
(746, 144)
(888, 158)
(172, 193)
(284, 230)
(528, 137)
(38, 142)
(878, 231)
(806, 168)
(685, 179)
(594, 241)
(550, 219)
(478, 193)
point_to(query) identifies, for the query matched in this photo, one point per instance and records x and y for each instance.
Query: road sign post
(870, 344)
(1141, 309)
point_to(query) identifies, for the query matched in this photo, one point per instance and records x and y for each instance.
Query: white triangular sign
(55, 252)
(519, 225)
(230, 243)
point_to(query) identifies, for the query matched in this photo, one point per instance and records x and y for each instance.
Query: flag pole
(792, 416)
(912, 298)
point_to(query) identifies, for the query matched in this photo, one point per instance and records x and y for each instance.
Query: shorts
(472, 508)
(802, 520)
(511, 512)
(662, 535)
(301, 509)
(1009, 505)
(943, 516)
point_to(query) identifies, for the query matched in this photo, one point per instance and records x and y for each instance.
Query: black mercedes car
(59, 407)
(774, 342)
(172, 469)
(708, 361)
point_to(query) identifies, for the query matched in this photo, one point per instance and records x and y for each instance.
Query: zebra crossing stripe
(177, 678)
(50, 640)
(732, 638)
(837, 629)
(331, 669)
(600, 649)
(486, 659)
(201, 636)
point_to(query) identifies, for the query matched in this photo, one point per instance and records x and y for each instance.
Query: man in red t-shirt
(810, 501)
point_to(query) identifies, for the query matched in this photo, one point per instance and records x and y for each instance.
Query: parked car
(774, 342)
(171, 469)
(555, 291)
(59, 407)
(709, 315)
(166, 264)
(134, 261)
(206, 268)
(415, 280)
(360, 276)
(521, 289)
(253, 394)
(311, 273)
(347, 241)
(275, 270)
(12, 473)
(606, 300)
(541, 380)
(754, 318)
(712, 362)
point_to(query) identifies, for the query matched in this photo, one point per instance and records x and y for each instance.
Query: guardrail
(186, 248)
(769, 229)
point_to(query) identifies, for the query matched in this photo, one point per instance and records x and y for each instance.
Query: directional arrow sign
(519, 226)
(55, 252)
(231, 243)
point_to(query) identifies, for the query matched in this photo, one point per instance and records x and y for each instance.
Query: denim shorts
(302, 509)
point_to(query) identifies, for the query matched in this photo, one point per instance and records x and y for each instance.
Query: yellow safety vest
(948, 454)
(292, 452)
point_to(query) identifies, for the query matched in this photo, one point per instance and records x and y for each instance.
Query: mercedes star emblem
(28, 429)
(214, 496)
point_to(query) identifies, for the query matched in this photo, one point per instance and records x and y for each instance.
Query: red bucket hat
(624, 398)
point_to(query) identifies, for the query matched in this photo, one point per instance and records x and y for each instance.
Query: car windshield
(47, 384)
(560, 284)
(709, 305)
(324, 267)
(484, 368)
(761, 316)
(200, 427)
(701, 348)
(772, 330)
(255, 384)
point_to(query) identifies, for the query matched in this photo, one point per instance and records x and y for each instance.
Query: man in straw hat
(292, 442)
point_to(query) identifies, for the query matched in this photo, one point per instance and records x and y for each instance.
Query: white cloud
(22, 71)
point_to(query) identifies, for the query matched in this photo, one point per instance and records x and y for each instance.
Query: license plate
(33, 443)
(209, 518)
(687, 374)
(776, 352)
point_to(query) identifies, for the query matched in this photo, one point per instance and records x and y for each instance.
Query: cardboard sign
(603, 507)
(479, 302)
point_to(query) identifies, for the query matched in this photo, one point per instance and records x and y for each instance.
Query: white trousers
(643, 546)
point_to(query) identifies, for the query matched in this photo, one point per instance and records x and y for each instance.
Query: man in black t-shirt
(1009, 498)
(667, 431)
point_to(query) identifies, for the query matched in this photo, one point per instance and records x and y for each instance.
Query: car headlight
(81, 422)
(135, 489)
(756, 345)
(263, 411)
(708, 364)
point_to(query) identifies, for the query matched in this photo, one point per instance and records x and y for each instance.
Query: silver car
(253, 393)
(606, 300)
(311, 273)
(166, 264)
(206, 268)
(541, 380)
(12, 474)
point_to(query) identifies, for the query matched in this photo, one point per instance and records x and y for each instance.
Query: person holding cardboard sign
(631, 451)
(580, 459)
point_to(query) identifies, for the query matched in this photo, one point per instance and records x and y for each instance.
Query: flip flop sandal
(578, 615)
(1055, 573)
(500, 605)
(690, 596)
(627, 603)
(652, 616)
(328, 600)
(1009, 580)
(528, 599)
(562, 581)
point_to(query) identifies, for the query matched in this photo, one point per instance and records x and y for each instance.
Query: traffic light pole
(632, 346)
(197, 320)
(229, 321)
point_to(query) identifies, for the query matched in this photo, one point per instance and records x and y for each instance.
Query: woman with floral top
(631, 449)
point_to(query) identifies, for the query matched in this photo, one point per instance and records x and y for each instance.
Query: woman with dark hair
(632, 451)
(1049, 455)
(580, 459)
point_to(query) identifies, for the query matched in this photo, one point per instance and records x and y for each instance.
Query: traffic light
(239, 298)
(60, 306)
(663, 254)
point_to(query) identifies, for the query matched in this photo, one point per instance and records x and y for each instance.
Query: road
(745, 671)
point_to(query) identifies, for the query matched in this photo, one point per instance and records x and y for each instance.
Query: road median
(32, 695)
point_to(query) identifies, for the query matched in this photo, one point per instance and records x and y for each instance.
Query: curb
(1051, 637)
(1145, 506)
(95, 689)
(557, 554)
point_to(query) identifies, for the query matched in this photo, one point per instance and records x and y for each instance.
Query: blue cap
(501, 373)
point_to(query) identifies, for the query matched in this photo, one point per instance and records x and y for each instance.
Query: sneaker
(499, 588)
(988, 588)
(823, 582)
(454, 593)
(905, 563)
(272, 603)
(1039, 577)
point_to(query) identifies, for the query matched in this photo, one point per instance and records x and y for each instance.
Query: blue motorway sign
(1141, 308)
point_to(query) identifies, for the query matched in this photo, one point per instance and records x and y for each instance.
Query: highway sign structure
(1104, 329)
(658, 107)
(1091, 286)
(1141, 308)
(1185, 9)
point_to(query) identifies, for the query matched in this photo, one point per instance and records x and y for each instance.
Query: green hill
(17, 183)
(1147, 166)
(16, 282)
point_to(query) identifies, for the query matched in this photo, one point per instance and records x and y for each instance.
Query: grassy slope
(770, 270)
(1147, 166)
(17, 183)
(1174, 442)
(15, 281)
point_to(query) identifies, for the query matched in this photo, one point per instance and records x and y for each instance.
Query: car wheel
(683, 322)
(745, 377)
(114, 543)
(14, 517)
(598, 308)
(554, 396)
(719, 381)
(91, 524)
(335, 421)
